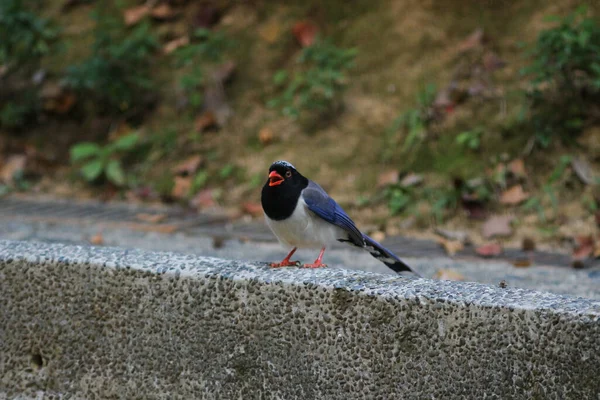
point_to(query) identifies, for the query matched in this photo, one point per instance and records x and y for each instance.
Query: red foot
(315, 265)
(285, 263)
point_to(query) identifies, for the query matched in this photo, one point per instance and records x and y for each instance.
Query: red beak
(275, 179)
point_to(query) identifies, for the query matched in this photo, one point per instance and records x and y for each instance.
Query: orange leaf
(205, 120)
(388, 178)
(514, 195)
(517, 167)
(182, 187)
(254, 209)
(97, 239)
(451, 246)
(163, 11)
(305, 32)
(266, 136)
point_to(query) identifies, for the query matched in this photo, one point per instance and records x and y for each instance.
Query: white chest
(303, 229)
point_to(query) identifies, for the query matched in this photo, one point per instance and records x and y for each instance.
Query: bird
(301, 214)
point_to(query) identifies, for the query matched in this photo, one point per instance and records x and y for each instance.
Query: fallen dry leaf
(97, 239)
(584, 247)
(451, 246)
(305, 32)
(61, 104)
(489, 250)
(475, 39)
(13, 166)
(460, 236)
(188, 166)
(497, 225)
(203, 199)
(513, 196)
(205, 121)
(134, 15)
(174, 44)
(151, 218)
(449, 275)
(182, 186)
(252, 208)
(522, 262)
(386, 178)
(411, 179)
(517, 167)
(163, 11)
(583, 170)
(266, 136)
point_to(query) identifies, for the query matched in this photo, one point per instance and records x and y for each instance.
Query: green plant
(470, 139)
(117, 75)
(25, 39)
(206, 46)
(413, 124)
(565, 77)
(317, 82)
(104, 160)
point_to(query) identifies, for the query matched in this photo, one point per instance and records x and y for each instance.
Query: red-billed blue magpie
(302, 215)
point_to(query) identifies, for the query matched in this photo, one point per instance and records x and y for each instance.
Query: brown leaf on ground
(489, 250)
(188, 166)
(252, 208)
(174, 44)
(522, 262)
(517, 167)
(584, 247)
(460, 236)
(12, 167)
(182, 186)
(134, 15)
(411, 179)
(163, 11)
(205, 121)
(151, 218)
(386, 178)
(97, 239)
(61, 104)
(203, 199)
(451, 246)
(513, 196)
(266, 136)
(583, 170)
(449, 275)
(497, 225)
(305, 33)
(475, 39)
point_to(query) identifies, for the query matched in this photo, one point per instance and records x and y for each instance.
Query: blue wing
(319, 202)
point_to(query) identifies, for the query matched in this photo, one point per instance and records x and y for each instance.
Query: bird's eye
(288, 174)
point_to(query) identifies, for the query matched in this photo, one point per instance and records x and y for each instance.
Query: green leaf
(92, 170)
(81, 151)
(126, 142)
(115, 173)
(199, 181)
(280, 77)
(227, 171)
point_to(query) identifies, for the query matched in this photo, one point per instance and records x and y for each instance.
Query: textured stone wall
(100, 323)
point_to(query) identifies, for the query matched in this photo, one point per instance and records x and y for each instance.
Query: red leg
(286, 261)
(317, 263)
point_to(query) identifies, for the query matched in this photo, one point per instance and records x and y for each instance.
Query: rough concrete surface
(98, 323)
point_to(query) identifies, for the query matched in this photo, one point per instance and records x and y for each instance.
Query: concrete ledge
(96, 323)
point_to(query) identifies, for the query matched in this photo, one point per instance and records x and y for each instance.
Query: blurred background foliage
(413, 114)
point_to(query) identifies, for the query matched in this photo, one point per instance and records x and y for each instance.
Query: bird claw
(285, 264)
(315, 265)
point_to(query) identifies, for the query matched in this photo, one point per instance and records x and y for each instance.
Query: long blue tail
(386, 256)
